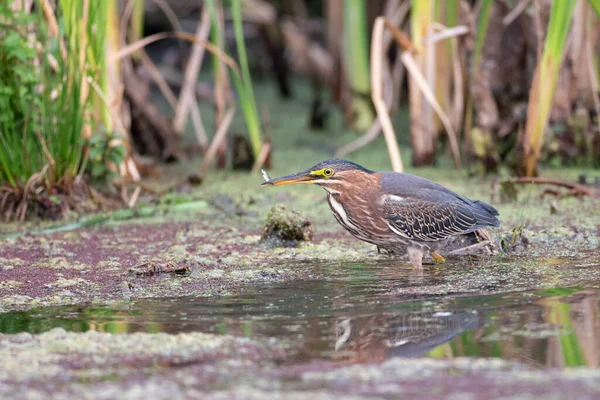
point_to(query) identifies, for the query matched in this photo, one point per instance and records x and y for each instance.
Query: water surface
(362, 313)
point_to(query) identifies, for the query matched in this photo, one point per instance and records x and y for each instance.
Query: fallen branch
(575, 189)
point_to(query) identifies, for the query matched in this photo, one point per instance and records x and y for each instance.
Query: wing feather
(422, 219)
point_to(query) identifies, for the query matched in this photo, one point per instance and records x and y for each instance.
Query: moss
(285, 227)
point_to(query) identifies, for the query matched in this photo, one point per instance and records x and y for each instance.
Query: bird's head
(328, 174)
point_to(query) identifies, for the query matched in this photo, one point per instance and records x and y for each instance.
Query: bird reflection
(418, 334)
(405, 335)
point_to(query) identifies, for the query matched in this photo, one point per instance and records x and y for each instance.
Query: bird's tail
(485, 214)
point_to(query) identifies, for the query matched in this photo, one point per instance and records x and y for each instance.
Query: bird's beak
(294, 179)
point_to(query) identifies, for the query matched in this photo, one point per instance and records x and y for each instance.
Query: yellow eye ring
(327, 172)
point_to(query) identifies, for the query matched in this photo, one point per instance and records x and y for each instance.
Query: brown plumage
(401, 213)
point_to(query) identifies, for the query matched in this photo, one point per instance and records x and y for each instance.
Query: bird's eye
(328, 172)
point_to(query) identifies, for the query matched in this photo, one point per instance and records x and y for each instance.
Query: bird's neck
(360, 189)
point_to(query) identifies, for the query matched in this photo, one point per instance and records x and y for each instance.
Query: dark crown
(340, 165)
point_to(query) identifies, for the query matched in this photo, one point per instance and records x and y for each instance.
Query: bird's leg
(416, 257)
(437, 257)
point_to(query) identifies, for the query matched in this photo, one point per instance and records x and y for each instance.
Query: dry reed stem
(593, 78)
(217, 140)
(85, 88)
(162, 83)
(128, 166)
(383, 119)
(397, 17)
(445, 33)
(187, 93)
(405, 43)
(412, 67)
(375, 127)
(265, 150)
(515, 12)
(134, 196)
(157, 77)
(133, 47)
(51, 163)
(365, 139)
(459, 89)
(170, 14)
(53, 26)
(377, 94)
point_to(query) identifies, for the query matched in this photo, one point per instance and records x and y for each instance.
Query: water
(362, 313)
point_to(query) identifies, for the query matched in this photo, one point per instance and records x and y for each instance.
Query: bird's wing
(422, 218)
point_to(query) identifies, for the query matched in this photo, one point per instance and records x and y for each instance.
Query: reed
(356, 59)
(244, 85)
(542, 88)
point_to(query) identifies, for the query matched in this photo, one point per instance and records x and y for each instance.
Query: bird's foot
(438, 258)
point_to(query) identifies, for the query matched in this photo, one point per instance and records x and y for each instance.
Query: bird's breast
(340, 212)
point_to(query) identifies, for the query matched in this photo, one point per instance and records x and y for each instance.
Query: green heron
(400, 213)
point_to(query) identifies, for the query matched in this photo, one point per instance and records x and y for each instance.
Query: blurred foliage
(41, 114)
(106, 153)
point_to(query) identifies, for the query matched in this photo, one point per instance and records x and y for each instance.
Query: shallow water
(361, 313)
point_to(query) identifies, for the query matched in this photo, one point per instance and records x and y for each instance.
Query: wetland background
(132, 134)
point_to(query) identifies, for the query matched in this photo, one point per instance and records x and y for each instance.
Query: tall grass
(244, 87)
(243, 81)
(544, 83)
(41, 112)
